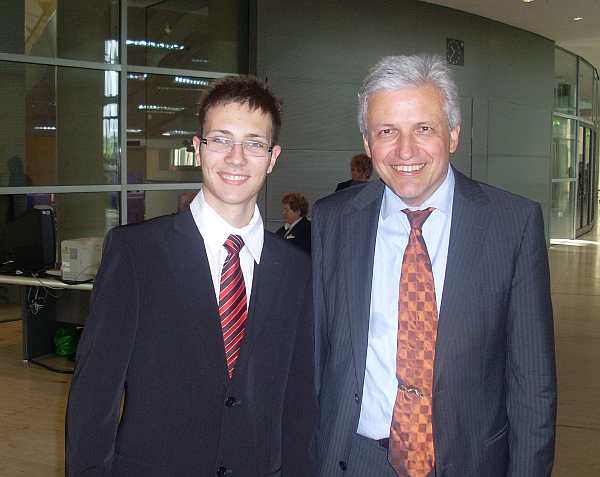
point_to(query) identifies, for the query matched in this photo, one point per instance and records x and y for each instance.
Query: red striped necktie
(232, 302)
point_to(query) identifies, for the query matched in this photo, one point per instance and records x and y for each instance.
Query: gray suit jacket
(494, 401)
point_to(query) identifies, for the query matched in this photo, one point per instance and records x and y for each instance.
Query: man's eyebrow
(220, 131)
(226, 132)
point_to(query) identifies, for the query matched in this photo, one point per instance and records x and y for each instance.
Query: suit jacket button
(231, 401)
(343, 465)
(222, 471)
(356, 398)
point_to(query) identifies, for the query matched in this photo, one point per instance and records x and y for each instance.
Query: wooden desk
(46, 303)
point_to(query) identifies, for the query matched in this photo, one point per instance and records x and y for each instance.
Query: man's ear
(274, 155)
(454, 135)
(366, 146)
(197, 144)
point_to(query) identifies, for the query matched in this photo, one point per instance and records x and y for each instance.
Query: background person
(297, 227)
(361, 168)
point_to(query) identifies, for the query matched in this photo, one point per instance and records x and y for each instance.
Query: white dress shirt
(380, 384)
(215, 230)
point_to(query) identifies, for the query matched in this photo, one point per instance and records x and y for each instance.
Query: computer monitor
(29, 241)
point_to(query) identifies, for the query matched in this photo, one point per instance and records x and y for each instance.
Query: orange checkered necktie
(411, 438)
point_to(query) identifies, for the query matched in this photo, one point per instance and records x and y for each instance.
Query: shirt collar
(441, 199)
(215, 230)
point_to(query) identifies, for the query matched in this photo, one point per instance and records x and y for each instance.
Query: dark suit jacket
(299, 235)
(154, 335)
(348, 183)
(494, 397)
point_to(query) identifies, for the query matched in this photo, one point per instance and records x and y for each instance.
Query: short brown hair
(363, 163)
(243, 90)
(297, 202)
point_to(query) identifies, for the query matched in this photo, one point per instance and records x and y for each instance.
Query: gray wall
(315, 54)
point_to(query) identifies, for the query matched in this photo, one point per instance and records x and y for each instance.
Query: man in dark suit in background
(402, 392)
(297, 227)
(196, 328)
(361, 168)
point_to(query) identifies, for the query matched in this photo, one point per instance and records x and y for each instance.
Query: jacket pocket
(497, 436)
(275, 473)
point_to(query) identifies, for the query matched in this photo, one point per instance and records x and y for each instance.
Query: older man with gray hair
(434, 334)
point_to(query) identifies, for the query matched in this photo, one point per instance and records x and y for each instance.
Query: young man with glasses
(195, 326)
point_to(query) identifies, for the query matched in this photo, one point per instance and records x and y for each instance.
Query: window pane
(90, 214)
(143, 205)
(60, 126)
(563, 206)
(565, 82)
(563, 145)
(64, 29)
(205, 35)
(586, 91)
(161, 121)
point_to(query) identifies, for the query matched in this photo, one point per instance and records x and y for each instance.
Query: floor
(32, 399)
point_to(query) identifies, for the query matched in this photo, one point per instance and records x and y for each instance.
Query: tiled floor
(32, 400)
(575, 272)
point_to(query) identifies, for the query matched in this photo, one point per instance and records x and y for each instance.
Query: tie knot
(234, 244)
(417, 218)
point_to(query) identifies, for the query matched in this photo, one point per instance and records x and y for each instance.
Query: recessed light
(528, 1)
(576, 19)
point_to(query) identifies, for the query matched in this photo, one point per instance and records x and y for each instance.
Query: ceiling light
(576, 19)
(528, 1)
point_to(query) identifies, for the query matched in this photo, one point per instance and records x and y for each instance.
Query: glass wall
(574, 147)
(98, 104)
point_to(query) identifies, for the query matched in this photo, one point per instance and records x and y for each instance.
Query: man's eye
(425, 129)
(386, 132)
(221, 140)
(255, 145)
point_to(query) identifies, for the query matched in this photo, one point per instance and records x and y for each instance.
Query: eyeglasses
(225, 145)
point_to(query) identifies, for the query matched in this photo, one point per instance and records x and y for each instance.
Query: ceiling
(552, 19)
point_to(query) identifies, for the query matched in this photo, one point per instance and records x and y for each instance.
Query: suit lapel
(266, 277)
(470, 216)
(192, 271)
(361, 230)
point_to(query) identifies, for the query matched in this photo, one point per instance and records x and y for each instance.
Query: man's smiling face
(409, 141)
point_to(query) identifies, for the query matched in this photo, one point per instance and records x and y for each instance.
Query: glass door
(585, 180)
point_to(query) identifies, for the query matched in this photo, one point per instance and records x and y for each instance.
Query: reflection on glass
(162, 120)
(563, 202)
(144, 205)
(61, 123)
(64, 29)
(586, 91)
(565, 82)
(209, 36)
(563, 148)
(90, 214)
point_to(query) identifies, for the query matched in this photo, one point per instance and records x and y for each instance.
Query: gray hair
(396, 72)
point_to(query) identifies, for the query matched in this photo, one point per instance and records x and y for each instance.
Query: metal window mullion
(164, 186)
(42, 60)
(59, 189)
(155, 70)
(123, 111)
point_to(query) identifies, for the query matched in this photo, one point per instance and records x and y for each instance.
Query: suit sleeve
(102, 358)
(530, 369)
(300, 408)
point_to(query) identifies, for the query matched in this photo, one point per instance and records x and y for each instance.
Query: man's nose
(236, 155)
(405, 146)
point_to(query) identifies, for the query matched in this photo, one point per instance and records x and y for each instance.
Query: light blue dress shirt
(380, 384)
